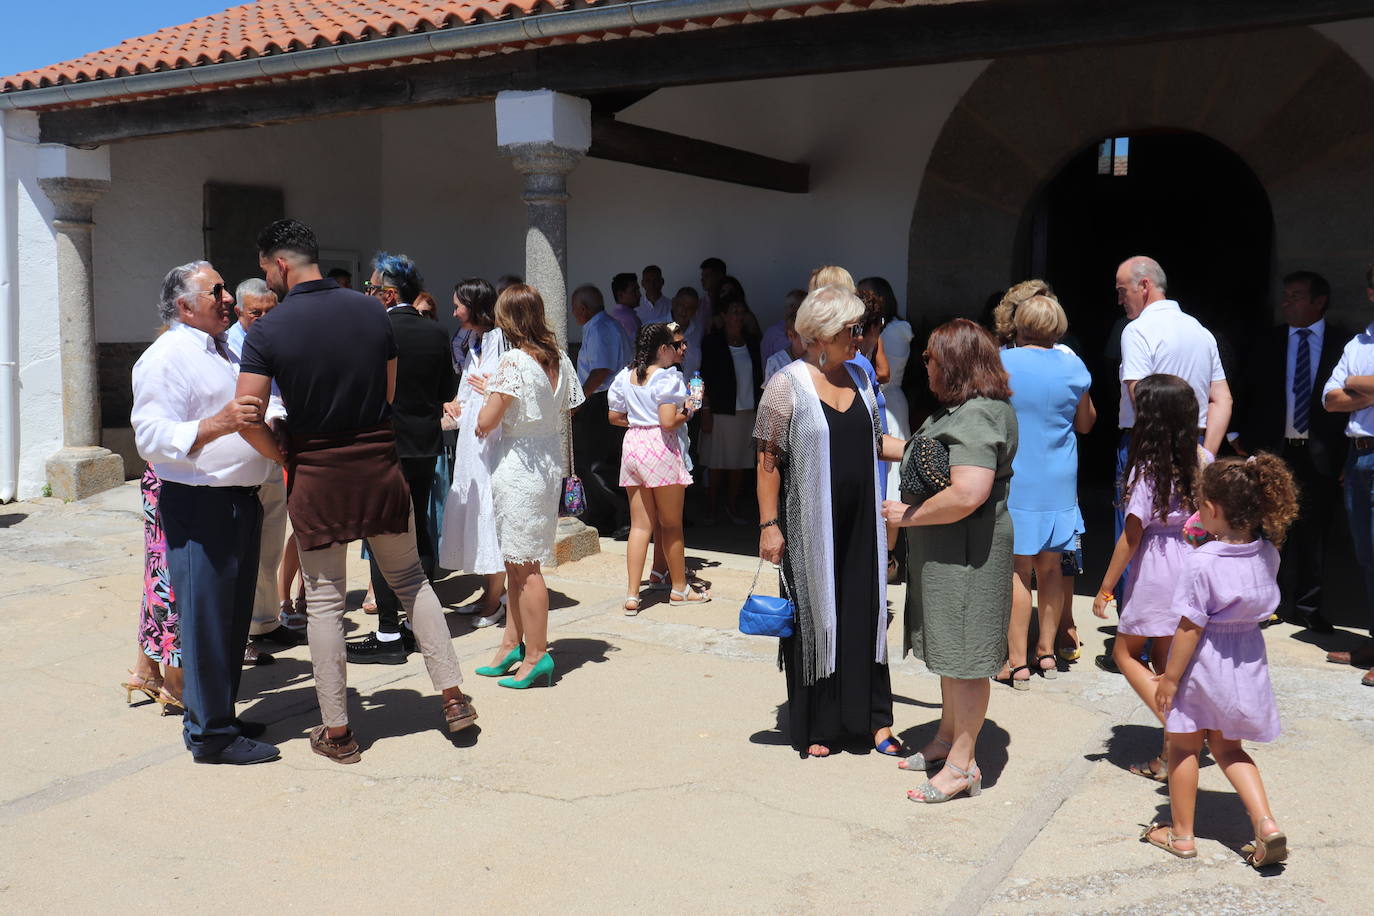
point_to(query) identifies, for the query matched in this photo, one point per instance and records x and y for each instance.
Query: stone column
(81, 468)
(546, 134)
(545, 167)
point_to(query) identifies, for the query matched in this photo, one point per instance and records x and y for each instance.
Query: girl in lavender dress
(1216, 686)
(1159, 491)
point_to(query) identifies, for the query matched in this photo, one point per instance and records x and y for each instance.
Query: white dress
(896, 339)
(527, 483)
(469, 543)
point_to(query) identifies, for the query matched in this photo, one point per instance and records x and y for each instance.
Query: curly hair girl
(1256, 494)
(651, 337)
(1164, 447)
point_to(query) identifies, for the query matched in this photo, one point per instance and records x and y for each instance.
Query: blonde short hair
(830, 275)
(1004, 315)
(1041, 319)
(826, 312)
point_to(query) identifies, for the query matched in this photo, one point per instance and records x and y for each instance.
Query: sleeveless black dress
(850, 705)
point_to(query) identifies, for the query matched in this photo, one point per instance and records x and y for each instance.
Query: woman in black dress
(818, 436)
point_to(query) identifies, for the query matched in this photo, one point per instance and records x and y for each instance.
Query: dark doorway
(1186, 201)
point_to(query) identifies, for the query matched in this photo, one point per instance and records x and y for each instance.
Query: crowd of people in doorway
(353, 415)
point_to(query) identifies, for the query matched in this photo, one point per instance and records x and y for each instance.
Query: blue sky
(41, 32)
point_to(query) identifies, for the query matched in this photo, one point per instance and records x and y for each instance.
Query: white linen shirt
(1356, 359)
(656, 312)
(179, 381)
(1314, 349)
(1165, 339)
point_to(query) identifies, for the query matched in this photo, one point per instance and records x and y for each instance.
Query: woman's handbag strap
(782, 579)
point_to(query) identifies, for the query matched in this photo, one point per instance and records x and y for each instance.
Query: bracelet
(1108, 595)
(768, 524)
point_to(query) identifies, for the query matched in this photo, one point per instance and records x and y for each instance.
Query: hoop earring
(820, 360)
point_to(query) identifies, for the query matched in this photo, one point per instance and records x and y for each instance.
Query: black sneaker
(372, 651)
(282, 637)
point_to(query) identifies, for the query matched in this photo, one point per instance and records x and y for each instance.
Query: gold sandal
(1267, 850)
(1170, 838)
(137, 683)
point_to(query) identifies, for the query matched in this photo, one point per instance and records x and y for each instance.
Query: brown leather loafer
(1362, 657)
(342, 749)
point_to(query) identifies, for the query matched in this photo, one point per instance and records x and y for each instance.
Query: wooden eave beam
(837, 43)
(657, 149)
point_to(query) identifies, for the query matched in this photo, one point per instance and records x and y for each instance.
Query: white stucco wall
(40, 369)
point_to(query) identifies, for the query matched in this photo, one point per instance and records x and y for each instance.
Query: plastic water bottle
(694, 391)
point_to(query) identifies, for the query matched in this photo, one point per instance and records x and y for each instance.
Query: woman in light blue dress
(1050, 394)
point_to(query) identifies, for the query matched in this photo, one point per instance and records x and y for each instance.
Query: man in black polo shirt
(333, 357)
(425, 382)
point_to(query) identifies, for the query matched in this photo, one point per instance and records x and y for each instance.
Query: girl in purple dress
(1216, 686)
(1159, 491)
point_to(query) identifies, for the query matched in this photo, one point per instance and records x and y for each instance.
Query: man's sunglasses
(217, 291)
(373, 290)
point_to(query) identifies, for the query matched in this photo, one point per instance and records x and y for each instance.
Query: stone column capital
(73, 199)
(546, 167)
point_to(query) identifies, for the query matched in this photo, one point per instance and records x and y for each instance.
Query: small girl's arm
(1126, 546)
(1181, 652)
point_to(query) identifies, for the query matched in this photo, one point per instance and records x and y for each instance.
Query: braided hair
(1164, 443)
(1256, 494)
(651, 337)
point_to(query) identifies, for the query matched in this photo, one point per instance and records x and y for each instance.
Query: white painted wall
(151, 219)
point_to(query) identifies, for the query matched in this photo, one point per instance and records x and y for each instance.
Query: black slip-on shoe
(372, 651)
(282, 637)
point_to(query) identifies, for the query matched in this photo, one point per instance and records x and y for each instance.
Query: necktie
(1302, 381)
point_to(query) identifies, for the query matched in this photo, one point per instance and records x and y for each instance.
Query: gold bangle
(1108, 595)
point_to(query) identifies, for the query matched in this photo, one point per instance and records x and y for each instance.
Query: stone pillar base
(75, 473)
(574, 541)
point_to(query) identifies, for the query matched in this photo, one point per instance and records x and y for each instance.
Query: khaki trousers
(399, 561)
(266, 607)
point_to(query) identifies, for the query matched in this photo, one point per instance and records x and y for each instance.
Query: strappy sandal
(920, 762)
(1049, 673)
(459, 713)
(1169, 839)
(1267, 850)
(659, 581)
(171, 706)
(631, 605)
(928, 794)
(1014, 682)
(692, 594)
(890, 747)
(1147, 769)
(137, 683)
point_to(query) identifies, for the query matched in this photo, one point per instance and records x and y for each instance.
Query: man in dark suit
(425, 381)
(1283, 414)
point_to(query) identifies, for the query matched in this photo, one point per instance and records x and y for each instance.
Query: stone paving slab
(653, 776)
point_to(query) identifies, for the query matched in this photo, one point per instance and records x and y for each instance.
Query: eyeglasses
(217, 291)
(856, 331)
(926, 358)
(679, 345)
(376, 290)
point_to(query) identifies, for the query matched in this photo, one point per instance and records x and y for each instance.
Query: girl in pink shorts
(650, 397)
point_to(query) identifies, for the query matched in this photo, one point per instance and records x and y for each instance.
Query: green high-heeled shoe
(542, 668)
(513, 657)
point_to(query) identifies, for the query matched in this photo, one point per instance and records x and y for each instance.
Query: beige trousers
(266, 607)
(325, 590)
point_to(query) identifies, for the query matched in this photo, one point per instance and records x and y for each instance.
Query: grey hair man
(252, 300)
(184, 417)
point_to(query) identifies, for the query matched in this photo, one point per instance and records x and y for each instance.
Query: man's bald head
(1139, 281)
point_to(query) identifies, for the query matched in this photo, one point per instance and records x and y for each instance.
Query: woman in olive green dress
(959, 596)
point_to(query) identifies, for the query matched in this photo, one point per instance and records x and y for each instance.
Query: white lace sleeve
(575, 395)
(508, 379)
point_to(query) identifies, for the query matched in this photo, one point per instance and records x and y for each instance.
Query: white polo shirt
(1164, 339)
(1356, 359)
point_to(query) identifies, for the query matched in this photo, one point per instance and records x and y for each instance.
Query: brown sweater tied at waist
(345, 486)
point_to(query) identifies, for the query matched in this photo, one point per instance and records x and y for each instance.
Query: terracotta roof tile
(274, 27)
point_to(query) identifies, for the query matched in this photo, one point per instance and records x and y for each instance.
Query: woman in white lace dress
(529, 397)
(468, 544)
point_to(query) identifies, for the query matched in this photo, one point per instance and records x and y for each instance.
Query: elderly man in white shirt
(1351, 390)
(184, 417)
(269, 627)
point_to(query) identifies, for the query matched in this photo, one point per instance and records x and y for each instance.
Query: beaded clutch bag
(925, 469)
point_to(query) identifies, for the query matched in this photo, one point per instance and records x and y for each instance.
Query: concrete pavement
(653, 775)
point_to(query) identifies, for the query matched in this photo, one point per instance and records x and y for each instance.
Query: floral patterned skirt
(158, 634)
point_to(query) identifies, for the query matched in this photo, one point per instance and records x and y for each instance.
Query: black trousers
(213, 535)
(596, 452)
(1304, 552)
(419, 475)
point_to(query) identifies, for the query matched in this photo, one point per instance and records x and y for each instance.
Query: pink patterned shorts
(652, 457)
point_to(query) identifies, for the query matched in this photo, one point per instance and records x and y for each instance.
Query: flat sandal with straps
(692, 594)
(1169, 839)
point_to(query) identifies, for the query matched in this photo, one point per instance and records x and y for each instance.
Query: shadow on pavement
(571, 653)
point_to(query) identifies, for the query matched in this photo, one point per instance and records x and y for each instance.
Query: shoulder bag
(764, 615)
(925, 469)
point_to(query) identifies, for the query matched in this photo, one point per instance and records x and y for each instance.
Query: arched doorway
(1182, 198)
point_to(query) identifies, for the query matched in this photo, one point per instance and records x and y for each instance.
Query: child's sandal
(1169, 839)
(1268, 850)
(631, 605)
(692, 594)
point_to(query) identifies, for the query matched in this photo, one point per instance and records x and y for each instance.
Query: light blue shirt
(604, 346)
(233, 339)
(1356, 359)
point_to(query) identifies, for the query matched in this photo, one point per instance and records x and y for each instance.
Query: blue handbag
(764, 615)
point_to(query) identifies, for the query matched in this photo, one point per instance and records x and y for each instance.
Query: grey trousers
(266, 607)
(325, 590)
